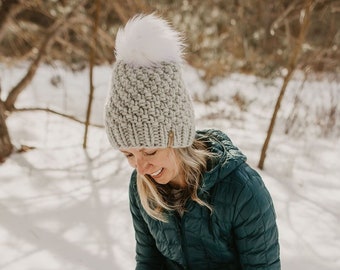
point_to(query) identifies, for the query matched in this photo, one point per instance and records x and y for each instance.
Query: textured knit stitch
(145, 104)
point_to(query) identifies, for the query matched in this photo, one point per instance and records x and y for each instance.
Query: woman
(195, 202)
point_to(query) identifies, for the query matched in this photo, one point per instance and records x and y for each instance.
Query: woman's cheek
(131, 162)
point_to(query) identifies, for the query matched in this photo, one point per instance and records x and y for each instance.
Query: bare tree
(8, 105)
(53, 31)
(91, 66)
(8, 8)
(293, 60)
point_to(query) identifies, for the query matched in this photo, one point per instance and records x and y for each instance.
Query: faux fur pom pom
(147, 40)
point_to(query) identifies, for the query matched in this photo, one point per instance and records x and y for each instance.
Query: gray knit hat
(148, 104)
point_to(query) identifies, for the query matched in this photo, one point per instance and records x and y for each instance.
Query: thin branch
(280, 20)
(73, 118)
(8, 9)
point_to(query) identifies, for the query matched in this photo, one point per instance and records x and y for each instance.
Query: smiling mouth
(157, 173)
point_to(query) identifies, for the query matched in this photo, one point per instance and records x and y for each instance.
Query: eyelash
(145, 153)
(150, 154)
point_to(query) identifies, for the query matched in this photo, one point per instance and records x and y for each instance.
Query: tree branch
(73, 118)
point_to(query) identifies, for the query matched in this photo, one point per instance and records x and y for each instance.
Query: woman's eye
(150, 153)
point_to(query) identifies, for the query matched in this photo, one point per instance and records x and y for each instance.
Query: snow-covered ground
(63, 207)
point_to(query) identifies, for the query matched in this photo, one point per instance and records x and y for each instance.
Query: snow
(65, 207)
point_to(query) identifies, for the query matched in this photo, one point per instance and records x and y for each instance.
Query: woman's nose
(142, 166)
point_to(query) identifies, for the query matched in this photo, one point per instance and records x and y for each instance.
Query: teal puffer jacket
(240, 233)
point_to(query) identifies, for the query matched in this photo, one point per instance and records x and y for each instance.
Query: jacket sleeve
(255, 229)
(147, 255)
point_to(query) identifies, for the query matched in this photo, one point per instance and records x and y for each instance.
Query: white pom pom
(147, 40)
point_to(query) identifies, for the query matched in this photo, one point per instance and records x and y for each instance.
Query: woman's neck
(179, 181)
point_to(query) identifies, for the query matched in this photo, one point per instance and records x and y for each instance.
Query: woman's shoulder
(243, 183)
(243, 191)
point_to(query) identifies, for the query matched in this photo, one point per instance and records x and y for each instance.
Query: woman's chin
(161, 181)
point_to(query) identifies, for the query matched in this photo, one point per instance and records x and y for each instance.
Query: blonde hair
(193, 162)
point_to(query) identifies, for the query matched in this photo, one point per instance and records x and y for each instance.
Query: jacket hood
(226, 156)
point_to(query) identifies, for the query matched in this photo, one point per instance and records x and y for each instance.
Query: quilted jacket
(240, 233)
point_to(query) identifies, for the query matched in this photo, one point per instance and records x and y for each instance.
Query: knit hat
(148, 104)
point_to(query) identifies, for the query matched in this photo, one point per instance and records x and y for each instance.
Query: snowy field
(63, 207)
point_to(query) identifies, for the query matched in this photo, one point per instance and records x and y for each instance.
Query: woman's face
(159, 163)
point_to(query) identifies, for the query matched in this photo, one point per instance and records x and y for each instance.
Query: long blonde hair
(193, 162)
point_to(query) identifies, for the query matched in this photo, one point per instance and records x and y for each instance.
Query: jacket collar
(226, 157)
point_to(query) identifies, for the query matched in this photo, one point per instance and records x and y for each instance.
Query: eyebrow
(143, 149)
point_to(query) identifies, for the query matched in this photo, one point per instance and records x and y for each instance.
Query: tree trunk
(92, 63)
(6, 146)
(291, 68)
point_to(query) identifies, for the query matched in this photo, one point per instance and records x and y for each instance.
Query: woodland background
(252, 65)
(265, 38)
